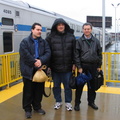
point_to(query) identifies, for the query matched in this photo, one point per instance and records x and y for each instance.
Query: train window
(7, 42)
(17, 13)
(77, 28)
(81, 30)
(72, 26)
(7, 21)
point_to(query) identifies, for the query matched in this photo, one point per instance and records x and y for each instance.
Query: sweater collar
(39, 38)
(87, 37)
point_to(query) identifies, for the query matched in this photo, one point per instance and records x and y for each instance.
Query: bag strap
(44, 93)
(88, 42)
(43, 67)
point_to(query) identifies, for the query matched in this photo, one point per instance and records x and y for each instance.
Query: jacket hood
(58, 21)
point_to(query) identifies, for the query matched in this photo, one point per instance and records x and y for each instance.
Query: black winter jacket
(88, 52)
(27, 55)
(62, 48)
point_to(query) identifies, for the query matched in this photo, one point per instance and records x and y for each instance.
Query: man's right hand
(37, 63)
(80, 70)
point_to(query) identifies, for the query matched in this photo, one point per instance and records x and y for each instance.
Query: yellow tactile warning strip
(111, 90)
(16, 89)
(10, 92)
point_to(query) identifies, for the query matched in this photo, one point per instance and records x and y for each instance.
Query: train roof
(23, 4)
(16, 2)
(20, 3)
(70, 19)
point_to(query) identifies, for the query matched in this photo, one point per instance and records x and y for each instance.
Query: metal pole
(115, 24)
(115, 31)
(103, 40)
(103, 25)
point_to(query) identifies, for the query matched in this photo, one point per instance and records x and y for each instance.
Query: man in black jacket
(62, 44)
(88, 58)
(34, 52)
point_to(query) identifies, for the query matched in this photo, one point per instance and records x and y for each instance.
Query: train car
(17, 18)
(108, 38)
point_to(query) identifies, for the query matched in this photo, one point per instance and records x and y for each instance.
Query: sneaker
(57, 105)
(28, 115)
(40, 111)
(68, 106)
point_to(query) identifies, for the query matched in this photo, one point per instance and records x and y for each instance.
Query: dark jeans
(58, 78)
(32, 95)
(92, 68)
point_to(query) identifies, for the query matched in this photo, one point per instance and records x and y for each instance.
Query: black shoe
(93, 106)
(76, 107)
(28, 115)
(40, 111)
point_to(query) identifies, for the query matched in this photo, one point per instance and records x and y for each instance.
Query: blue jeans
(58, 78)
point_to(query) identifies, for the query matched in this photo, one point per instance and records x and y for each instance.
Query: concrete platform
(108, 103)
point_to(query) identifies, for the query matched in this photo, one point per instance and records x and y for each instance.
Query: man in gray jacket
(88, 58)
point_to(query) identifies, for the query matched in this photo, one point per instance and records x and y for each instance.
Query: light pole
(118, 24)
(118, 30)
(115, 23)
(103, 25)
(117, 35)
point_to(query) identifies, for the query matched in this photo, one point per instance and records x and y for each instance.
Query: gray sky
(79, 9)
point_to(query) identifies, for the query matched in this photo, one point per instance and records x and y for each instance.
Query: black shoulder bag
(72, 81)
(99, 79)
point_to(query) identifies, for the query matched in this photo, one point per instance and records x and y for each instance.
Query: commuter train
(17, 18)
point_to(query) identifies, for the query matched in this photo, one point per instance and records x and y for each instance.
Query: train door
(7, 42)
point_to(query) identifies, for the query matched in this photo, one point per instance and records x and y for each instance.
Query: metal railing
(10, 69)
(111, 67)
